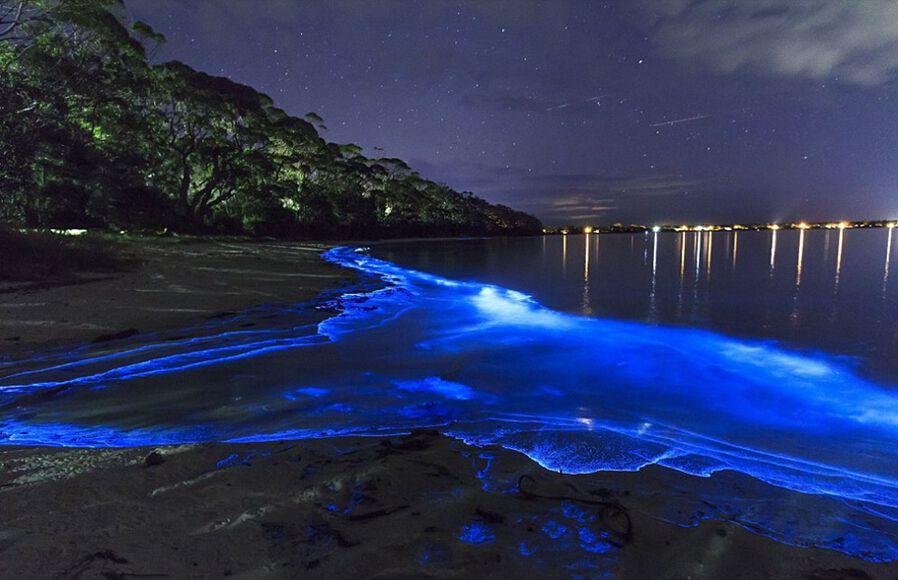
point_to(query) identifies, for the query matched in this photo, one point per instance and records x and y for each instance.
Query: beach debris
(154, 458)
(376, 513)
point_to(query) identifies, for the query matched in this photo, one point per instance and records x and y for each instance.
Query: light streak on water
(839, 260)
(885, 276)
(598, 238)
(645, 250)
(587, 303)
(681, 239)
(696, 281)
(698, 256)
(564, 257)
(735, 248)
(794, 316)
(708, 257)
(490, 365)
(653, 304)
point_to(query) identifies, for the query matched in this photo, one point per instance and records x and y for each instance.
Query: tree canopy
(92, 134)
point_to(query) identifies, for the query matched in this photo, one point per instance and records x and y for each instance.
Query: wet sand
(416, 506)
(412, 506)
(177, 284)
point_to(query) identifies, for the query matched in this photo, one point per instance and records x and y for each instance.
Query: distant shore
(619, 228)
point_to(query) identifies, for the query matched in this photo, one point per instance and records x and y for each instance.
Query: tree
(68, 70)
(92, 134)
(216, 139)
(295, 151)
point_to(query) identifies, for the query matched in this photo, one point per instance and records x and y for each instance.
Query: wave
(491, 366)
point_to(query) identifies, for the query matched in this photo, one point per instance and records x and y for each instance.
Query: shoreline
(419, 505)
(177, 285)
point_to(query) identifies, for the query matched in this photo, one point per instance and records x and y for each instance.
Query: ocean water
(826, 290)
(766, 354)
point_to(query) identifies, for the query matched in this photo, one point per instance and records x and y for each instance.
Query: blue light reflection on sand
(492, 366)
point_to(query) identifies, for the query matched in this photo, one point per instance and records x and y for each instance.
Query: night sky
(638, 111)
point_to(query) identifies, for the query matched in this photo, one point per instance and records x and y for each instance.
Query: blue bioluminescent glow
(554, 530)
(592, 542)
(492, 366)
(477, 533)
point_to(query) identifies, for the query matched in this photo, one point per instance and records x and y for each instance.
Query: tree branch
(15, 22)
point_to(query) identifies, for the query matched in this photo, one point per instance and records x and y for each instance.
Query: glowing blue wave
(491, 366)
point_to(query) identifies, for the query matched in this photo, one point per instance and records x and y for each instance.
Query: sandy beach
(175, 284)
(417, 505)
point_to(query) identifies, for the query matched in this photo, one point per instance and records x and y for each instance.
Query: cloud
(582, 204)
(568, 208)
(653, 185)
(568, 198)
(853, 40)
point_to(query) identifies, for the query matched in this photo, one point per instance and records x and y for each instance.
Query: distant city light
(759, 226)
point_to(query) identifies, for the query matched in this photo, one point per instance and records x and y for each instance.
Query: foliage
(92, 134)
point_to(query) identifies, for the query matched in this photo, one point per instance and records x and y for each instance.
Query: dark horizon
(585, 112)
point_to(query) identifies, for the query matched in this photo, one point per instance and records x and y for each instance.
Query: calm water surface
(828, 290)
